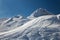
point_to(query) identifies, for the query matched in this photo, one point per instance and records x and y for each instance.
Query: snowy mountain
(39, 12)
(42, 26)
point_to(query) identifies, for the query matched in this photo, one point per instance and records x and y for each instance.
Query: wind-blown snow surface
(46, 27)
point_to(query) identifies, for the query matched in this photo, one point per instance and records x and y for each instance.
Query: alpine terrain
(40, 25)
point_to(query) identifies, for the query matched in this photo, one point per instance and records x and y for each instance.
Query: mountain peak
(39, 12)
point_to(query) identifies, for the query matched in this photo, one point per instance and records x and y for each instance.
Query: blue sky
(9, 8)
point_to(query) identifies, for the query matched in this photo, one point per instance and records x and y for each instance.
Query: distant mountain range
(40, 25)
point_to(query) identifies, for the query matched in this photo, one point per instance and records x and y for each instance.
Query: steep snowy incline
(12, 23)
(40, 25)
(25, 26)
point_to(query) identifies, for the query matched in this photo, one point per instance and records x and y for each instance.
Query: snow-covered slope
(12, 23)
(19, 20)
(45, 27)
(34, 29)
